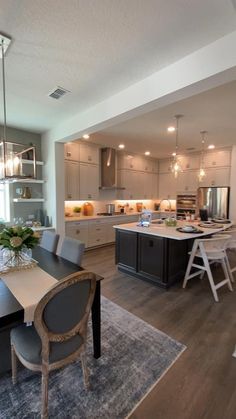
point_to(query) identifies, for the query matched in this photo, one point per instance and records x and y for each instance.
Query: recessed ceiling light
(86, 136)
(147, 153)
(171, 129)
(211, 146)
(121, 146)
(174, 154)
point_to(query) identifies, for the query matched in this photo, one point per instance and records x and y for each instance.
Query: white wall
(232, 206)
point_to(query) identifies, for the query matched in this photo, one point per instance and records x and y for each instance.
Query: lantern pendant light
(175, 165)
(202, 172)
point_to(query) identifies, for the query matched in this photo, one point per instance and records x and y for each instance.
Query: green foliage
(77, 209)
(17, 238)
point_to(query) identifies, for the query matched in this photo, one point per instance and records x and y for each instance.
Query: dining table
(12, 313)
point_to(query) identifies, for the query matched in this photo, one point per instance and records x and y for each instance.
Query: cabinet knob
(69, 195)
(89, 196)
(89, 158)
(77, 231)
(68, 154)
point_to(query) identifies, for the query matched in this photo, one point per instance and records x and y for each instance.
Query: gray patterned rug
(134, 357)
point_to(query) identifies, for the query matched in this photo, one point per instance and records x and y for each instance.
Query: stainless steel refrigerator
(215, 201)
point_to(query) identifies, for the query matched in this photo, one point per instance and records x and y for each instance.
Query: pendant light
(175, 165)
(11, 153)
(202, 172)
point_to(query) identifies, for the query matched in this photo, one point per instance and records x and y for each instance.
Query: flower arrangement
(18, 238)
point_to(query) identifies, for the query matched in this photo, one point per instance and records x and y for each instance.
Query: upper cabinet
(89, 153)
(165, 166)
(217, 158)
(189, 161)
(88, 181)
(218, 176)
(72, 151)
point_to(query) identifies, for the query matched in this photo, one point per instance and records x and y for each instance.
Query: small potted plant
(77, 211)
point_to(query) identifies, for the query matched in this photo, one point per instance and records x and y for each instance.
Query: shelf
(28, 200)
(28, 181)
(38, 162)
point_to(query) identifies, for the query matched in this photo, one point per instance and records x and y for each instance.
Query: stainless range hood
(108, 169)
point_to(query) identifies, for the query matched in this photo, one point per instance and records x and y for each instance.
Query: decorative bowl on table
(171, 222)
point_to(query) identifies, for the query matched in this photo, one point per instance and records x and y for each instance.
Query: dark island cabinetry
(159, 260)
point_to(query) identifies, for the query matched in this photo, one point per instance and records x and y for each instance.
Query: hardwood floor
(202, 383)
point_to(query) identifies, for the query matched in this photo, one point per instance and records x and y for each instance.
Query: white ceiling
(95, 48)
(213, 111)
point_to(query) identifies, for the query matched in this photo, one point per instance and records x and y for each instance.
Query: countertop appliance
(110, 208)
(186, 203)
(215, 201)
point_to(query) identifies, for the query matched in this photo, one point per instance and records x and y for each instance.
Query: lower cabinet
(159, 260)
(96, 233)
(78, 230)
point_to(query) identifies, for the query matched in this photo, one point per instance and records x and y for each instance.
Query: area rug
(135, 356)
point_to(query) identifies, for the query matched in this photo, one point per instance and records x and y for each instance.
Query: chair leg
(85, 370)
(44, 408)
(226, 272)
(229, 268)
(192, 256)
(210, 277)
(13, 365)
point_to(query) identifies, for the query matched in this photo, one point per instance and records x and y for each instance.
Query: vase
(17, 259)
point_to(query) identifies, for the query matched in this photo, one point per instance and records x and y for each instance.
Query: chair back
(63, 312)
(49, 241)
(215, 245)
(72, 250)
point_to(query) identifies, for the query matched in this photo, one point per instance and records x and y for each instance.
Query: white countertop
(161, 230)
(95, 217)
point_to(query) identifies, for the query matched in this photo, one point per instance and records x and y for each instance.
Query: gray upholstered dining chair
(72, 250)
(59, 334)
(49, 241)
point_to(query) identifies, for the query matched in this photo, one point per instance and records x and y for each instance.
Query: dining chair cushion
(28, 344)
(49, 241)
(65, 309)
(72, 250)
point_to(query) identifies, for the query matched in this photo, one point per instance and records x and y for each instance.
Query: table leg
(96, 321)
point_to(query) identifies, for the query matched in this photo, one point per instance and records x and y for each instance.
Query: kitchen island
(157, 253)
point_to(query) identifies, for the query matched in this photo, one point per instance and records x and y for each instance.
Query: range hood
(108, 169)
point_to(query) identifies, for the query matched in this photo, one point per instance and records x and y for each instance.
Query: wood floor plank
(201, 384)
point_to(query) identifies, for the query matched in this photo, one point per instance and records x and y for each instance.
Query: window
(4, 202)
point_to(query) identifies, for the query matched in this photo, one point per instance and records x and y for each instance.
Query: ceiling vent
(58, 92)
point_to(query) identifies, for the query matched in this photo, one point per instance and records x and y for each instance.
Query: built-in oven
(186, 204)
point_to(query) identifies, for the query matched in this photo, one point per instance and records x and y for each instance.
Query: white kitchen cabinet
(97, 234)
(165, 166)
(88, 181)
(71, 180)
(130, 161)
(217, 158)
(219, 176)
(187, 181)
(149, 165)
(78, 230)
(72, 151)
(89, 153)
(167, 186)
(189, 161)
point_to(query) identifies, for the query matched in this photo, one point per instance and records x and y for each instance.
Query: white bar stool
(209, 250)
(231, 246)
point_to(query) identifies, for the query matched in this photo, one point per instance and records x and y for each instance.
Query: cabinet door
(71, 151)
(167, 186)
(164, 166)
(126, 249)
(96, 233)
(71, 180)
(151, 257)
(89, 181)
(89, 153)
(149, 165)
(216, 177)
(217, 158)
(189, 161)
(187, 181)
(78, 230)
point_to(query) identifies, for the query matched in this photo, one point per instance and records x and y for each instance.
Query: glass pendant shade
(11, 153)
(202, 172)
(176, 167)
